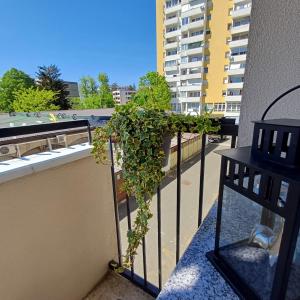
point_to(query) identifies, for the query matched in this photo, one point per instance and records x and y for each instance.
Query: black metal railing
(227, 128)
(32, 132)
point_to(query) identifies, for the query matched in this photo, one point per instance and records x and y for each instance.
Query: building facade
(122, 95)
(72, 88)
(201, 50)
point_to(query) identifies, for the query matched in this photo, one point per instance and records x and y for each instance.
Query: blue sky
(80, 37)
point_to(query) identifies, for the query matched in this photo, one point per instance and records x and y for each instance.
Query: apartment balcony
(194, 51)
(173, 78)
(240, 29)
(173, 89)
(239, 71)
(172, 21)
(190, 99)
(193, 25)
(238, 43)
(237, 98)
(171, 68)
(241, 1)
(195, 11)
(172, 34)
(192, 64)
(239, 13)
(192, 39)
(172, 57)
(190, 88)
(190, 76)
(171, 45)
(236, 85)
(238, 58)
(175, 8)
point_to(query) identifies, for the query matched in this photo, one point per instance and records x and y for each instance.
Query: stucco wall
(57, 232)
(273, 63)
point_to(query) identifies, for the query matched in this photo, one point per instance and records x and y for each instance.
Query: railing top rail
(39, 128)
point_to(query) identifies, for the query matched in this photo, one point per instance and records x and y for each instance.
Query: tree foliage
(94, 95)
(153, 92)
(48, 78)
(12, 81)
(88, 86)
(34, 100)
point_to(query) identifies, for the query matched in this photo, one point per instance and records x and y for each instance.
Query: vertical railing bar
(112, 168)
(144, 262)
(89, 133)
(159, 238)
(233, 141)
(178, 196)
(129, 228)
(201, 184)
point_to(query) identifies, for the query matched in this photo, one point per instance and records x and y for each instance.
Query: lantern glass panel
(250, 239)
(293, 290)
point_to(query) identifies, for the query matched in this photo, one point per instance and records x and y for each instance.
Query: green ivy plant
(139, 133)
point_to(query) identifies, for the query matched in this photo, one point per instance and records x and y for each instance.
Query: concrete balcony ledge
(194, 276)
(19, 167)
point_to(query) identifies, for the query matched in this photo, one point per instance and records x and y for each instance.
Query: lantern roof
(280, 122)
(243, 155)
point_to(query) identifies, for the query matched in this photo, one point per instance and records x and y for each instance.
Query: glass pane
(250, 241)
(293, 291)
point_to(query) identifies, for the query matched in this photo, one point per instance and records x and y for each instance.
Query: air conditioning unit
(8, 150)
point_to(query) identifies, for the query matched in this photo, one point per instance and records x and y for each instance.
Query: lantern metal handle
(277, 99)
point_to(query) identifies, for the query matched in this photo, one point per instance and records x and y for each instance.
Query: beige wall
(273, 63)
(160, 36)
(57, 232)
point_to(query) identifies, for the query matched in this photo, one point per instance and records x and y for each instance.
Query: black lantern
(257, 245)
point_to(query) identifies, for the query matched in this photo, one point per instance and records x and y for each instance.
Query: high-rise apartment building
(201, 49)
(122, 95)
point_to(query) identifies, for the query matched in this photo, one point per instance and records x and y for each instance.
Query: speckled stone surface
(194, 277)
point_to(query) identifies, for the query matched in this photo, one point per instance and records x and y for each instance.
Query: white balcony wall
(238, 43)
(233, 98)
(243, 12)
(240, 29)
(169, 10)
(194, 64)
(192, 39)
(171, 45)
(57, 225)
(238, 85)
(172, 21)
(190, 88)
(238, 58)
(172, 34)
(193, 12)
(193, 25)
(190, 76)
(239, 71)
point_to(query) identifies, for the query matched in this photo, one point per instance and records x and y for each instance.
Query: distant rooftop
(23, 119)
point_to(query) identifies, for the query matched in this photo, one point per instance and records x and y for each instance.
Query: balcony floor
(116, 287)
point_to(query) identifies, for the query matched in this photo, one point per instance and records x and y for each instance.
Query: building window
(223, 93)
(225, 80)
(227, 54)
(229, 26)
(208, 31)
(219, 107)
(226, 67)
(208, 17)
(205, 70)
(171, 63)
(185, 21)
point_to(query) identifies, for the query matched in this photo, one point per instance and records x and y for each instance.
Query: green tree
(48, 78)
(12, 81)
(153, 92)
(88, 86)
(132, 87)
(34, 99)
(106, 97)
(93, 95)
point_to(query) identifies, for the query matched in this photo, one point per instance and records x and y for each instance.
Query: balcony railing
(227, 128)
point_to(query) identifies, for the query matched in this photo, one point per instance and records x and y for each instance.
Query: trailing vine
(139, 134)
